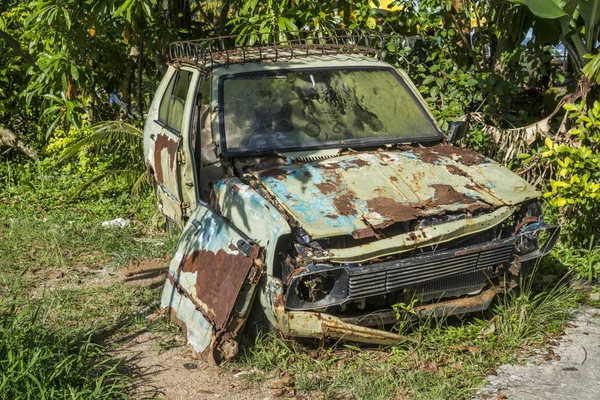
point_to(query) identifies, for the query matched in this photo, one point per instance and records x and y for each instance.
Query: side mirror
(457, 131)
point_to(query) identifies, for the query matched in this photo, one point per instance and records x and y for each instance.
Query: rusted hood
(356, 194)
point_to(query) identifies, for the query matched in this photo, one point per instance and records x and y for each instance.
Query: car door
(211, 283)
(170, 125)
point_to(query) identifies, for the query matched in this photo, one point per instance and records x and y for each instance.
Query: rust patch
(334, 165)
(326, 187)
(295, 272)
(445, 194)
(393, 179)
(276, 173)
(435, 153)
(393, 211)
(211, 268)
(345, 203)
(412, 236)
(454, 170)
(332, 216)
(359, 163)
(164, 142)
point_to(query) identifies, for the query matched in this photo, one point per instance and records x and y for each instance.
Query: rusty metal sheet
(426, 236)
(211, 283)
(252, 214)
(165, 157)
(360, 194)
(219, 279)
(166, 173)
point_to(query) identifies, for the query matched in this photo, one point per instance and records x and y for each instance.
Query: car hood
(363, 193)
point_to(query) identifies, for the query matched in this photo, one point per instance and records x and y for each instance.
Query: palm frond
(143, 181)
(108, 133)
(130, 176)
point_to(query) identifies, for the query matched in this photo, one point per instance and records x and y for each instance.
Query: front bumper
(311, 324)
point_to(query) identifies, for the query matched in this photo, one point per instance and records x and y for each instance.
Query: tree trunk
(139, 94)
(8, 138)
(128, 81)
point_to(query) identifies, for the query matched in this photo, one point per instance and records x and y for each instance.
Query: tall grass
(37, 362)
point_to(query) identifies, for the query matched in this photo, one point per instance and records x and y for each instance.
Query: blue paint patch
(490, 185)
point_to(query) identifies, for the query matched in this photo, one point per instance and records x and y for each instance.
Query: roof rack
(214, 52)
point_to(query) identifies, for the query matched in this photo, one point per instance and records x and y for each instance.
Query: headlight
(317, 287)
(536, 240)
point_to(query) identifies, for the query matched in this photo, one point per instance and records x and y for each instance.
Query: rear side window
(173, 102)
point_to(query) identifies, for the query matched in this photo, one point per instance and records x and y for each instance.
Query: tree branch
(8, 138)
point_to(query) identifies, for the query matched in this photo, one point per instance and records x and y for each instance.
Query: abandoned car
(316, 191)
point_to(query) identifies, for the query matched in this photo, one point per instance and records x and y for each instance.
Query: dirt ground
(178, 372)
(570, 371)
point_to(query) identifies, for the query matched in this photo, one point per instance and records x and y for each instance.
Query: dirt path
(176, 373)
(572, 372)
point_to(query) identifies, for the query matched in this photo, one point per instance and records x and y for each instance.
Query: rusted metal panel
(361, 194)
(319, 325)
(211, 283)
(431, 235)
(166, 173)
(252, 214)
(165, 157)
(210, 269)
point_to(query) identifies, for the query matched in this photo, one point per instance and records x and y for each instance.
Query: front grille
(389, 276)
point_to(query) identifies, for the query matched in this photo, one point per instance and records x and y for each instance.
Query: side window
(173, 102)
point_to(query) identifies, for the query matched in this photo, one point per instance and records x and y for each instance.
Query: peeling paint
(372, 191)
(165, 155)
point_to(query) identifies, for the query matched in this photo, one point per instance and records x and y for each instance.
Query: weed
(37, 362)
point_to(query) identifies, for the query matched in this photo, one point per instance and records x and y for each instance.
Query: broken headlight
(317, 287)
(536, 239)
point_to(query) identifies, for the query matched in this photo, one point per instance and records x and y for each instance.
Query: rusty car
(315, 191)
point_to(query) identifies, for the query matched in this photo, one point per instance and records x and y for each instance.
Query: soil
(177, 372)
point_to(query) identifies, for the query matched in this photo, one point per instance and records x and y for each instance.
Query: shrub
(574, 191)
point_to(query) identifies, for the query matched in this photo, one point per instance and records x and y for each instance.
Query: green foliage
(36, 362)
(575, 183)
(262, 21)
(573, 22)
(585, 262)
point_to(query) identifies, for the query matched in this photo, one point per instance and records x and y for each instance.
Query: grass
(73, 298)
(39, 363)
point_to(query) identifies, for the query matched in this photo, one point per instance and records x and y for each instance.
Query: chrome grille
(389, 276)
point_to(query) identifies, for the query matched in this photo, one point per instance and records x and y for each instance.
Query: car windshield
(290, 110)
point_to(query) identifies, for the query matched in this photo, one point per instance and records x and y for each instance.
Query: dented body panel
(212, 314)
(328, 240)
(360, 194)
